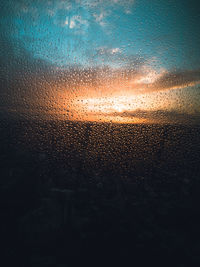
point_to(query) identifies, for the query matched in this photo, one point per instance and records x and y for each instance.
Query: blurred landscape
(99, 133)
(109, 193)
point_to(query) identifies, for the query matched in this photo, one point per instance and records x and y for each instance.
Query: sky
(117, 58)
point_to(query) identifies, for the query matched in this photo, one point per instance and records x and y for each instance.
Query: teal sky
(164, 33)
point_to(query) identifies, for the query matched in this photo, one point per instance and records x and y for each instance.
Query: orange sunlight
(112, 100)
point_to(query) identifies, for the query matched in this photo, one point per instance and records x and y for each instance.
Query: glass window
(100, 130)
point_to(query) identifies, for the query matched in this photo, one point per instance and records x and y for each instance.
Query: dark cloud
(176, 79)
(162, 116)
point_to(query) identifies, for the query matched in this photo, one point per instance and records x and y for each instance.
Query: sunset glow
(100, 61)
(116, 99)
(109, 108)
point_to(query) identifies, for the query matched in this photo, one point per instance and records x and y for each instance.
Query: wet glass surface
(99, 132)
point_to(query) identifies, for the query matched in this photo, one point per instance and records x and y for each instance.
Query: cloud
(104, 7)
(70, 23)
(92, 4)
(115, 56)
(177, 79)
(107, 51)
(154, 81)
(76, 23)
(54, 7)
(100, 18)
(160, 116)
